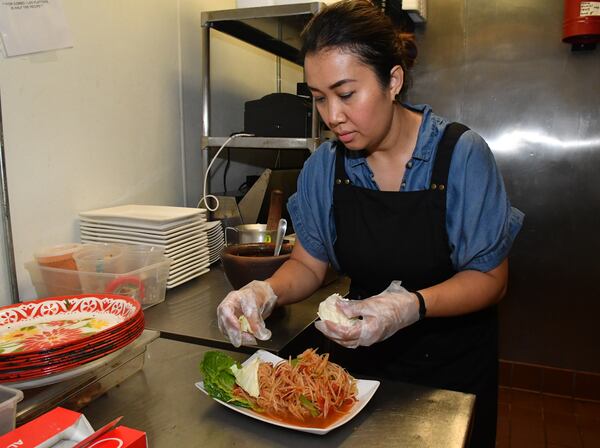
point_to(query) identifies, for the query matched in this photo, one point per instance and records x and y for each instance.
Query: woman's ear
(396, 81)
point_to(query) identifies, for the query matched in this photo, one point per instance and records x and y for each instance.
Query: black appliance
(279, 115)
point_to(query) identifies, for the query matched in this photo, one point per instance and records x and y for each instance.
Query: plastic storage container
(61, 257)
(101, 258)
(143, 276)
(9, 398)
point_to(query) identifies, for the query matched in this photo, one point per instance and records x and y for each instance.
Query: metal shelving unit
(252, 26)
(263, 142)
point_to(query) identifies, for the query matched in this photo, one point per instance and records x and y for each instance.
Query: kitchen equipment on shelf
(181, 232)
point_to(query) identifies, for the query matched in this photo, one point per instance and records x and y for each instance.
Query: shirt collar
(426, 140)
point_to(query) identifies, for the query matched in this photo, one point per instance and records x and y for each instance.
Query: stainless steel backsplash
(499, 66)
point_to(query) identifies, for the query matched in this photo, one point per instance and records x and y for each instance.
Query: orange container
(60, 257)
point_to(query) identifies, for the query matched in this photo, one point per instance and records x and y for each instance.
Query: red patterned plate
(73, 360)
(41, 372)
(56, 322)
(18, 362)
(48, 357)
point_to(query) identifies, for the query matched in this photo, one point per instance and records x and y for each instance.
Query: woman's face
(350, 98)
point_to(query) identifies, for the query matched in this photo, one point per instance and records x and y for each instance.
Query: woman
(410, 207)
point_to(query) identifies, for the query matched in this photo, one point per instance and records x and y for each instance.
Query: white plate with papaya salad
(307, 393)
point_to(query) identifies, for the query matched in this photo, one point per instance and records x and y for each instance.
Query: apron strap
(445, 148)
(340, 171)
(441, 167)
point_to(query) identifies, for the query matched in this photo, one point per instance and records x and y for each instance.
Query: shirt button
(403, 184)
(409, 164)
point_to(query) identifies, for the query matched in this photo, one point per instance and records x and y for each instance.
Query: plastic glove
(382, 316)
(256, 300)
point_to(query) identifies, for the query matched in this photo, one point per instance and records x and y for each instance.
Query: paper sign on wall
(31, 26)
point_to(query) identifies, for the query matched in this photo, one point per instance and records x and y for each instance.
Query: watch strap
(422, 307)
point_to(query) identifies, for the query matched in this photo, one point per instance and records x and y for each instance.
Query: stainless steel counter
(162, 400)
(189, 313)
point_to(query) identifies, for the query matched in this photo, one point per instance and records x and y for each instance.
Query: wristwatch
(422, 307)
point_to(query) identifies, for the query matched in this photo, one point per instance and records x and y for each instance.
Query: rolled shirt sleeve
(311, 206)
(480, 221)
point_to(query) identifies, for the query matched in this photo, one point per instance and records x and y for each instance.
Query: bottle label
(589, 9)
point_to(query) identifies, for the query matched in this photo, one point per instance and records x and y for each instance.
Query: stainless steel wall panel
(500, 67)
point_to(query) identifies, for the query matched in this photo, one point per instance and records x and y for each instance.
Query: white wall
(117, 118)
(92, 126)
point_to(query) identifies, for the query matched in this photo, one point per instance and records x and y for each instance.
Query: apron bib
(384, 236)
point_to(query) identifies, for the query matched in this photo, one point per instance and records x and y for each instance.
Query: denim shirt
(480, 221)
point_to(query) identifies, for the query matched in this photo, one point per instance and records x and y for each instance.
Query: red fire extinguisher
(581, 25)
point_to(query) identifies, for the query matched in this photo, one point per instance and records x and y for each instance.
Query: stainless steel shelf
(263, 142)
(276, 11)
(275, 29)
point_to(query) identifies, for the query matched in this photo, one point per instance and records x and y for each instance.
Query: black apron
(384, 236)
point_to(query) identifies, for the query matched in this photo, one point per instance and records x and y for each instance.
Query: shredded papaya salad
(306, 387)
(309, 385)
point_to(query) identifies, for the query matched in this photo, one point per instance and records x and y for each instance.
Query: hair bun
(408, 48)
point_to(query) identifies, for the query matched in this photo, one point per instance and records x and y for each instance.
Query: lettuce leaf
(218, 379)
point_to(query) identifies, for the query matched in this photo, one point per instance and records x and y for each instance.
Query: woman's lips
(347, 137)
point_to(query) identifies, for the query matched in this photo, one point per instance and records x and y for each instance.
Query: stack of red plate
(48, 336)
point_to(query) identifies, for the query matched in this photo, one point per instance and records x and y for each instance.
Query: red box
(64, 428)
(121, 437)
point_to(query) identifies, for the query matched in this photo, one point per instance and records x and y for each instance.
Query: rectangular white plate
(366, 390)
(143, 225)
(153, 213)
(197, 224)
(170, 248)
(187, 277)
(193, 264)
(170, 239)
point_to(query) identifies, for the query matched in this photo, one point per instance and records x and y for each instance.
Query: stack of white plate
(179, 231)
(216, 240)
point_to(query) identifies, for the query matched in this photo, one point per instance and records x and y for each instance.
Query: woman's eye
(345, 96)
(319, 99)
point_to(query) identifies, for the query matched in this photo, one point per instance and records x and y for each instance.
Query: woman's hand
(382, 316)
(255, 301)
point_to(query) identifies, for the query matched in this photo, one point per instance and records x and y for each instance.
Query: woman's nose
(335, 114)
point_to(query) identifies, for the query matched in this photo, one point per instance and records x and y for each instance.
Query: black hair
(359, 27)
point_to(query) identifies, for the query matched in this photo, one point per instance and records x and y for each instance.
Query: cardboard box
(120, 437)
(62, 428)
